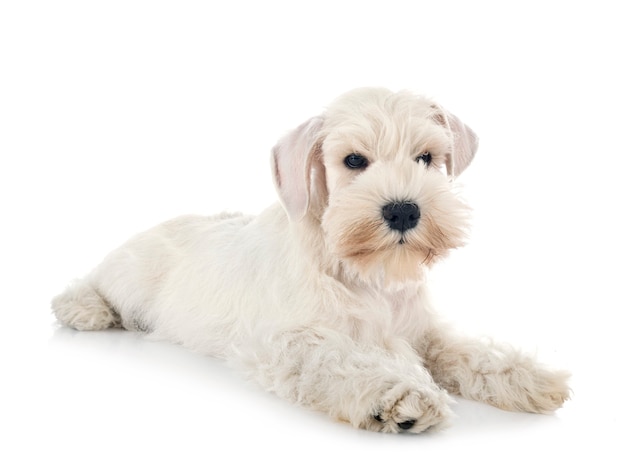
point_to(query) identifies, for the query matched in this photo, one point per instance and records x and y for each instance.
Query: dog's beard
(365, 246)
(371, 251)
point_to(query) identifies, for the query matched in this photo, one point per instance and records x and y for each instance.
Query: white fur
(317, 298)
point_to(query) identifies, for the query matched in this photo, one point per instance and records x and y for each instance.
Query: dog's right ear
(295, 159)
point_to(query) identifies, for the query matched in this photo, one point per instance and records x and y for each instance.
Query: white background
(117, 115)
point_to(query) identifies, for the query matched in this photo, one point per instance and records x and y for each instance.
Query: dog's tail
(80, 306)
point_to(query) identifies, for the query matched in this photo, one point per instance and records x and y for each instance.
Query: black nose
(401, 216)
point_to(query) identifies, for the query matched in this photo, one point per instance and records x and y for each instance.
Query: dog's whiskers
(429, 257)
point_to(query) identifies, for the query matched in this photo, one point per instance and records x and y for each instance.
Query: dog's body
(321, 298)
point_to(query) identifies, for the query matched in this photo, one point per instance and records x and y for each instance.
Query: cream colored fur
(317, 298)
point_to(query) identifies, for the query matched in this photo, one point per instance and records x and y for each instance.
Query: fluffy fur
(318, 298)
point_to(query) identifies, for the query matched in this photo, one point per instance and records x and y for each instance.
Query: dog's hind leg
(365, 385)
(81, 307)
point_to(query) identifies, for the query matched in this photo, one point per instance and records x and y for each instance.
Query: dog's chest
(399, 314)
(409, 318)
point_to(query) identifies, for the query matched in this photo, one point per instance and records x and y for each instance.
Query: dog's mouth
(429, 253)
(398, 262)
(403, 239)
(405, 245)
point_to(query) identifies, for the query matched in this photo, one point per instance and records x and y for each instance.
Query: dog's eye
(355, 161)
(426, 157)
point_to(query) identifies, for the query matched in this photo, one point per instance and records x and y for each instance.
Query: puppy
(322, 297)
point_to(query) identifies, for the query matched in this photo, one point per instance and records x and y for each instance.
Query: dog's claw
(407, 424)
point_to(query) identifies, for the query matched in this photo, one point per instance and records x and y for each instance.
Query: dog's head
(375, 172)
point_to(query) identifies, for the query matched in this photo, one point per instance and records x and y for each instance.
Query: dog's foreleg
(363, 385)
(494, 373)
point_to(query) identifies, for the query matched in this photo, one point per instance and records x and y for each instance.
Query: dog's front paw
(406, 408)
(526, 386)
(546, 390)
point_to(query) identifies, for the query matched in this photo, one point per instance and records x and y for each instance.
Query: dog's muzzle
(401, 216)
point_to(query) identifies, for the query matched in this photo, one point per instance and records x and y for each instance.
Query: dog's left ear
(465, 141)
(296, 161)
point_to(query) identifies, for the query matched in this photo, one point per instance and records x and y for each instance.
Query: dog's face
(372, 172)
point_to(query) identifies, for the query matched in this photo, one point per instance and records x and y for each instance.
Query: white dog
(322, 297)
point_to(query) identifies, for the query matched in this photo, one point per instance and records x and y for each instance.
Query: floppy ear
(465, 142)
(294, 160)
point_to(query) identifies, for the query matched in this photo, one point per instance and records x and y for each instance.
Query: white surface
(119, 115)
